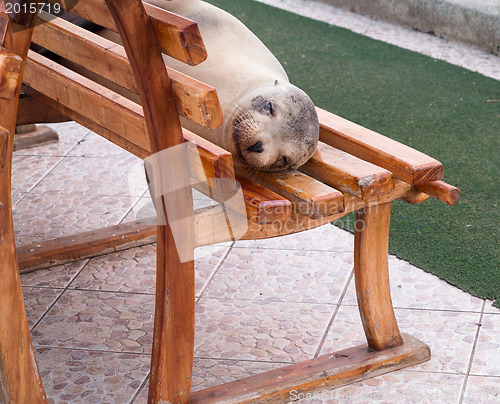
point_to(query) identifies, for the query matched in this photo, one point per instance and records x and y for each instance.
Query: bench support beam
(333, 370)
(371, 274)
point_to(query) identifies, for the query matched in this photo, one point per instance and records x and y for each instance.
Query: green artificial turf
(447, 112)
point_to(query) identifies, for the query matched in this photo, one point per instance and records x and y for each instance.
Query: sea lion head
(274, 127)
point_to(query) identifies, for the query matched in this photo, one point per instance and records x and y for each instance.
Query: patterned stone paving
(259, 305)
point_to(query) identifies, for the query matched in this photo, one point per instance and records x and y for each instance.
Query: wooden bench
(354, 169)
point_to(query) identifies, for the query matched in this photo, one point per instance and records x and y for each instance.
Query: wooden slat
(264, 205)
(332, 370)
(106, 108)
(300, 222)
(194, 100)
(90, 99)
(177, 36)
(216, 162)
(90, 124)
(10, 69)
(308, 196)
(441, 191)
(76, 247)
(89, 244)
(347, 173)
(32, 110)
(404, 162)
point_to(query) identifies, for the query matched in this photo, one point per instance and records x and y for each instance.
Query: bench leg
(19, 378)
(371, 271)
(173, 340)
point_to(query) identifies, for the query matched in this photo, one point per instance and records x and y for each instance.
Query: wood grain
(441, 191)
(308, 196)
(84, 245)
(177, 36)
(336, 369)
(10, 69)
(404, 162)
(194, 100)
(371, 274)
(32, 110)
(347, 173)
(20, 380)
(263, 205)
(171, 369)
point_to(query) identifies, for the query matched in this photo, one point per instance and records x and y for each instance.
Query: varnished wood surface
(263, 205)
(10, 69)
(20, 380)
(371, 275)
(194, 100)
(177, 36)
(404, 162)
(442, 191)
(299, 222)
(332, 370)
(32, 110)
(308, 196)
(85, 245)
(347, 173)
(171, 369)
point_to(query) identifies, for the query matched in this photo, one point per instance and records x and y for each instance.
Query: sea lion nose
(256, 148)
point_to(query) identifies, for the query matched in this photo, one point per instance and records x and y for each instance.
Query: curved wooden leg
(19, 378)
(371, 271)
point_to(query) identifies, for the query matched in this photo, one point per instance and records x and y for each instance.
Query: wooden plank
(308, 196)
(264, 205)
(32, 110)
(2, 213)
(177, 36)
(299, 222)
(194, 100)
(10, 69)
(441, 191)
(347, 173)
(216, 162)
(105, 107)
(84, 245)
(332, 370)
(404, 162)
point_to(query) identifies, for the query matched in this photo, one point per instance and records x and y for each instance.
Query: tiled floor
(260, 304)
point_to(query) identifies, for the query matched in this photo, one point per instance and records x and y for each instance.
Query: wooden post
(371, 271)
(19, 378)
(173, 339)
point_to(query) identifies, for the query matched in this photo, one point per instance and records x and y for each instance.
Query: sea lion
(269, 124)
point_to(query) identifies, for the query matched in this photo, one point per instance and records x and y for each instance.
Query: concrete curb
(476, 22)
